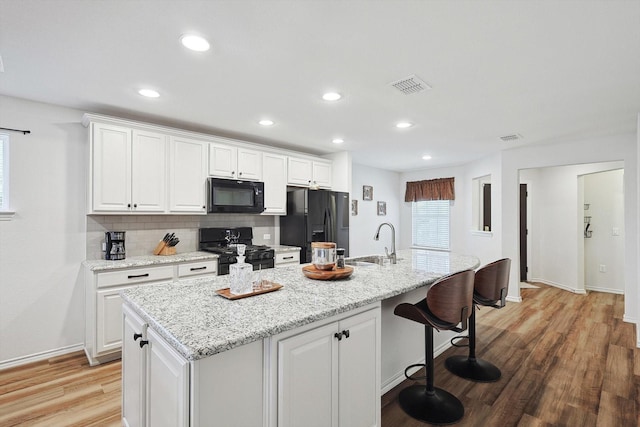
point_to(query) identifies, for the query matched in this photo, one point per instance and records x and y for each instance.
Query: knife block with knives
(167, 246)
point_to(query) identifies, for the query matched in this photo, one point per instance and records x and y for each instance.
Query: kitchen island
(255, 361)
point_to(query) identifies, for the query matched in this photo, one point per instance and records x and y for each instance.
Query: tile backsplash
(143, 232)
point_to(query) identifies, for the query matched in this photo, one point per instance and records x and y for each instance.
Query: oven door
(233, 196)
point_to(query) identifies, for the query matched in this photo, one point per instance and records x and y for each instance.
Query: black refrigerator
(315, 216)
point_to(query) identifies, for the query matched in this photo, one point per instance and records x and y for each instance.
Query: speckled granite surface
(142, 261)
(199, 323)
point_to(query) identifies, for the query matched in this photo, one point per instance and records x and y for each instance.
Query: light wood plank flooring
(566, 360)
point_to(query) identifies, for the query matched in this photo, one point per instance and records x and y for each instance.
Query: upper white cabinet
(309, 173)
(227, 161)
(275, 184)
(128, 170)
(187, 175)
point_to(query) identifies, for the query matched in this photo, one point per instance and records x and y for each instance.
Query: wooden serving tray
(337, 273)
(226, 292)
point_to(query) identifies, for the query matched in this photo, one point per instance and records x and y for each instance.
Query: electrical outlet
(104, 246)
(266, 236)
(603, 268)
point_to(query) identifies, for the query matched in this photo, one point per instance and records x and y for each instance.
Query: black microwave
(233, 196)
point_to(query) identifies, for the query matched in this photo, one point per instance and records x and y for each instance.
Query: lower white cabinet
(155, 379)
(330, 375)
(103, 305)
(285, 259)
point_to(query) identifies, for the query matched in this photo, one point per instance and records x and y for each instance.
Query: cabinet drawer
(195, 268)
(287, 258)
(134, 275)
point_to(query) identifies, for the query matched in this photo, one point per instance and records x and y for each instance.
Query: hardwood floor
(566, 360)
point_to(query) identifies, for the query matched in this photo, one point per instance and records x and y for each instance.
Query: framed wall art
(367, 192)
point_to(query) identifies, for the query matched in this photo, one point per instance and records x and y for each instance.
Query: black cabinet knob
(345, 333)
(129, 205)
(136, 336)
(143, 343)
(338, 335)
(135, 205)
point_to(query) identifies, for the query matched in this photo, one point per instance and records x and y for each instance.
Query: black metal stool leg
(426, 402)
(469, 367)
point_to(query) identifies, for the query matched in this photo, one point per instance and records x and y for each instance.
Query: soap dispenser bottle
(240, 274)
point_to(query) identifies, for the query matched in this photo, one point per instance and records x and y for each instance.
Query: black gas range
(222, 241)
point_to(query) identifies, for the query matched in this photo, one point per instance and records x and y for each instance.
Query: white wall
(41, 296)
(605, 194)
(362, 227)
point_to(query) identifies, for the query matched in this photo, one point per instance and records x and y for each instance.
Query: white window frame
(5, 213)
(437, 221)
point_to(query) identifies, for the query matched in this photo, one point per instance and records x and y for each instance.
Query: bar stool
(448, 303)
(490, 288)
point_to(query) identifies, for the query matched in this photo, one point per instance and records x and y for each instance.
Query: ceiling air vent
(409, 85)
(512, 137)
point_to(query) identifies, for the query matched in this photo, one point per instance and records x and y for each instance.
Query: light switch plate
(266, 236)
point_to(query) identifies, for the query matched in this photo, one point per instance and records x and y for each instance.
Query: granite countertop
(199, 323)
(147, 260)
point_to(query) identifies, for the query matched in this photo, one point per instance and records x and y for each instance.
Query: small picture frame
(382, 208)
(354, 207)
(367, 192)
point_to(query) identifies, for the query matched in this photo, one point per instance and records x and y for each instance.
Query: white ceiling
(548, 70)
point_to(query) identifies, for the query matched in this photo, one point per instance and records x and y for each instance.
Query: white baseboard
(606, 290)
(514, 299)
(560, 286)
(36, 357)
(396, 379)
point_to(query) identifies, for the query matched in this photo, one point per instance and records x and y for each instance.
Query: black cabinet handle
(239, 173)
(197, 268)
(143, 343)
(287, 257)
(135, 205)
(136, 336)
(345, 333)
(137, 276)
(129, 205)
(338, 335)
(233, 172)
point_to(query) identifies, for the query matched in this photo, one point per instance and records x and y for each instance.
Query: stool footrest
(411, 377)
(460, 337)
(473, 369)
(434, 407)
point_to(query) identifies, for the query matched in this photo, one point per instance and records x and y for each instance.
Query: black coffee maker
(114, 245)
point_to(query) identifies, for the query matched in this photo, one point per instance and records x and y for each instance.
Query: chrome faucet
(392, 255)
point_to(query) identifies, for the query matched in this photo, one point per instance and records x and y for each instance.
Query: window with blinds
(430, 224)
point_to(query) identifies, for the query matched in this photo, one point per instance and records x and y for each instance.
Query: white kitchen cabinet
(155, 378)
(127, 170)
(339, 365)
(227, 161)
(103, 305)
(187, 175)
(309, 173)
(134, 368)
(285, 259)
(274, 167)
(167, 391)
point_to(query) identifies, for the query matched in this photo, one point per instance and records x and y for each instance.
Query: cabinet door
(249, 164)
(108, 320)
(149, 172)
(307, 379)
(322, 174)
(274, 176)
(299, 171)
(133, 370)
(223, 160)
(111, 168)
(167, 384)
(187, 175)
(359, 366)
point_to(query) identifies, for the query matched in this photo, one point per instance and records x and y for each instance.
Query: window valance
(431, 189)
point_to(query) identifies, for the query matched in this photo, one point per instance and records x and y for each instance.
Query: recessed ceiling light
(195, 43)
(331, 96)
(266, 122)
(338, 140)
(149, 93)
(426, 157)
(404, 125)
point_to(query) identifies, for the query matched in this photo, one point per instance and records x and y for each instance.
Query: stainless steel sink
(366, 261)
